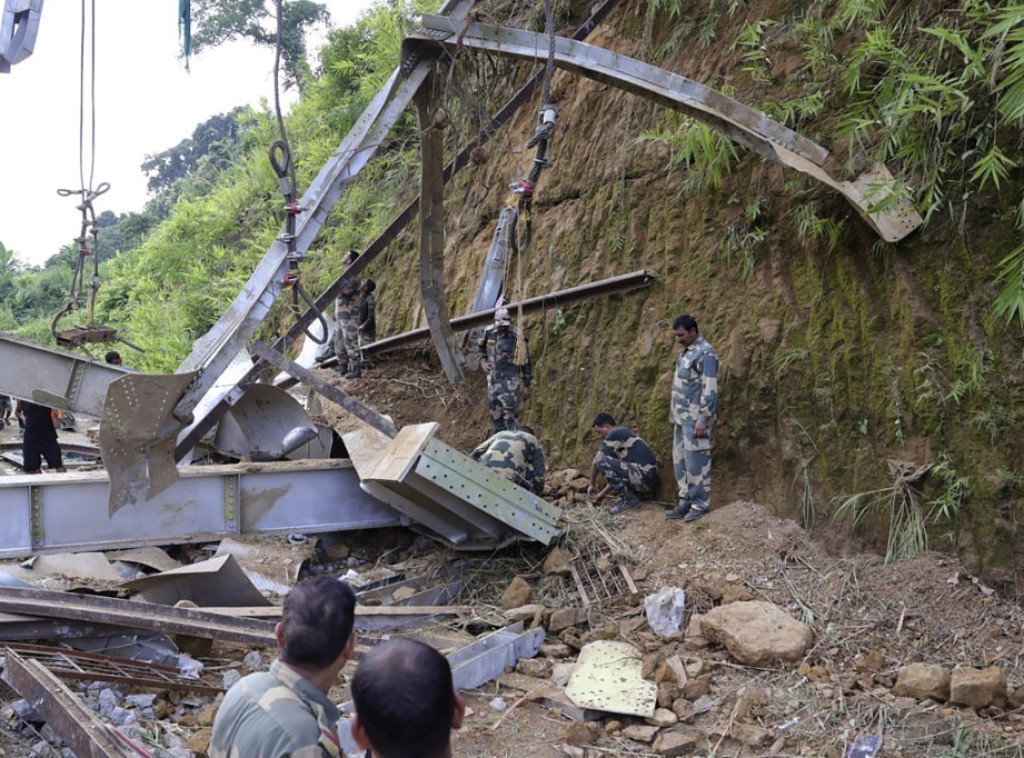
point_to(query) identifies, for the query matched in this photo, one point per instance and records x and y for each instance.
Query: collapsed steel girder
(69, 511)
(205, 421)
(153, 469)
(747, 126)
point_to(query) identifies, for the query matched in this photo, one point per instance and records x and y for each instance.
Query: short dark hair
(405, 699)
(353, 255)
(370, 285)
(527, 429)
(317, 621)
(689, 323)
(604, 419)
(113, 357)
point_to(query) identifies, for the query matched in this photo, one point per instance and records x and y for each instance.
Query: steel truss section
(77, 724)
(747, 126)
(449, 493)
(55, 377)
(69, 511)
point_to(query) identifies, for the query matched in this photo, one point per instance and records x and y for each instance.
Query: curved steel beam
(747, 126)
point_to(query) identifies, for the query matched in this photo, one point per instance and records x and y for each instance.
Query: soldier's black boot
(627, 501)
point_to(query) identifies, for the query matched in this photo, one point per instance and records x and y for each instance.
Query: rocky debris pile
(750, 673)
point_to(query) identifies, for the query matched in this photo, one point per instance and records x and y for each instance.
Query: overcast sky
(145, 103)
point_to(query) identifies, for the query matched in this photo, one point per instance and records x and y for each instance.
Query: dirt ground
(868, 619)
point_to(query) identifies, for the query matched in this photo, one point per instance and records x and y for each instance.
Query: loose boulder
(921, 681)
(757, 633)
(978, 688)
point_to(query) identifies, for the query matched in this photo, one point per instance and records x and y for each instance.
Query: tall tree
(217, 21)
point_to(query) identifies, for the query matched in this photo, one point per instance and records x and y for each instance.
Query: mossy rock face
(833, 358)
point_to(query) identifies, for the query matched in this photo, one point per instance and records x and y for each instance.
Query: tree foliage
(218, 21)
(212, 146)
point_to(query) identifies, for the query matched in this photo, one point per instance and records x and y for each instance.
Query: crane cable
(89, 229)
(280, 155)
(524, 188)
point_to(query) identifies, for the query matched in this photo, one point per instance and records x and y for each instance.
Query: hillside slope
(838, 351)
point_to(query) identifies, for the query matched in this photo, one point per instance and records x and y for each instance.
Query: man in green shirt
(285, 711)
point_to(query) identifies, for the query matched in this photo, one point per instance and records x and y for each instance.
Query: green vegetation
(839, 350)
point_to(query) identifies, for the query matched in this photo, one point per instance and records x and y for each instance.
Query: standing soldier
(506, 361)
(515, 455)
(367, 312)
(346, 336)
(692, 414)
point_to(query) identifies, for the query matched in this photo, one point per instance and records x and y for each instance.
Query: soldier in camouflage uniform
(508, 374)
(286, 711)
(346, 334)
(692, 414)
(627, 463)
(406, 703)
(515, 455)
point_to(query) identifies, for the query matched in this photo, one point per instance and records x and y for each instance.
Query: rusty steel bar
(68, 716)
(135, 615)
(93, 667)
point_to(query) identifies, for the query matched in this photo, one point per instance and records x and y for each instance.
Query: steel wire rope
(86, 191)
(280, 156)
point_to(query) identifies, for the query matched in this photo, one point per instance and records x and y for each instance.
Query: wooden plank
(365, 446)
(401, 456)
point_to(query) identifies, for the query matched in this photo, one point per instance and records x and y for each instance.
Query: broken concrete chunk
(537, 667)
(923, 680)
(640, 733)
(580, 733)
(564, 618)
(517, 594)
(556, 564)
(561, 672)
(662, 718)
(525, 612)
(696, 689)
(757, 633)
(683, 740)
(978, 688)
(751, 735)
(555, 650)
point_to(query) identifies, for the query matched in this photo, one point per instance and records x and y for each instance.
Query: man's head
(367, 286)
(502, 319)
(113, 358)
(685, 330)
(350, 258)
(604, 423)
(315, 630)
(405, 703)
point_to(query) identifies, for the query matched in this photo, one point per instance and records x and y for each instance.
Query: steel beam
(77, 724)
(69, 511)
(743, 124)
(205, 420)
(616, 285)
(58, 378)
(136, 614)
